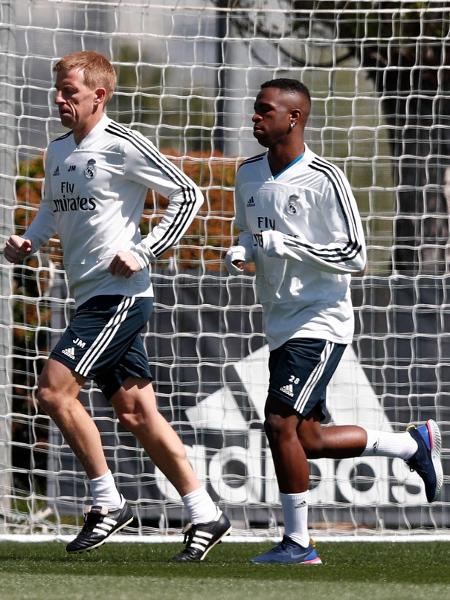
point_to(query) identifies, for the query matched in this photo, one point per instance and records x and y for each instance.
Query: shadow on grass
(376, 562)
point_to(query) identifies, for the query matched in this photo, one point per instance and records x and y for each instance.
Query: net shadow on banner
(208, 357)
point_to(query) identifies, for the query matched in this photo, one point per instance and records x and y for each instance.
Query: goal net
(188, 72)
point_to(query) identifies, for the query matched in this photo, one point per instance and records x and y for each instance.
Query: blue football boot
(427, 460)
(288, 552)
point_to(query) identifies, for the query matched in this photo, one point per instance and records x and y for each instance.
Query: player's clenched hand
(235, 260)
(124, 264)
(17, 248)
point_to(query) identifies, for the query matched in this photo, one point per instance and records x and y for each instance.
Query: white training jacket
(94, 198)
(303, 231)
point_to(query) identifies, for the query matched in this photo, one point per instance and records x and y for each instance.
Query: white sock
(394, 445)
(200, 507)
(104, 491)
(295, 512)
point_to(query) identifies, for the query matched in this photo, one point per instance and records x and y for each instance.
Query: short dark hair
(288, 85)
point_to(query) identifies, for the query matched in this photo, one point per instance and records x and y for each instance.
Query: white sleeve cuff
(273, 243)
(234, 253)
(143, 257)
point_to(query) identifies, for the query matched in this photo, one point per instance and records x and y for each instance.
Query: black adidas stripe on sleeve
(188, 210)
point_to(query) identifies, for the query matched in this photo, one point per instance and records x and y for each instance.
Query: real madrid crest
(292, 205)
(91, 169)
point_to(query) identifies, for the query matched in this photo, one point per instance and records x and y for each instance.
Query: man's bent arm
(43, 225)
(151, 168)
(348, 257)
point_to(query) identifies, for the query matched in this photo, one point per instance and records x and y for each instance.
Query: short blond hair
(96, 68)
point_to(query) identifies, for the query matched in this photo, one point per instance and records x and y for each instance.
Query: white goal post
(188, 72)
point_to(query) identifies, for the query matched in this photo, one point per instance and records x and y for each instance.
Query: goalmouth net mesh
(188, 73)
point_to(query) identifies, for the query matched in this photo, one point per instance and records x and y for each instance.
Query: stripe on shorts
(314, 377)
(101, 342)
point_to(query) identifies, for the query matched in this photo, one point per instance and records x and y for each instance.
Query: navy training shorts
(103, 341)
(300, 371)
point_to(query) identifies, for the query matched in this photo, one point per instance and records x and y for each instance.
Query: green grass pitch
(356, 571)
